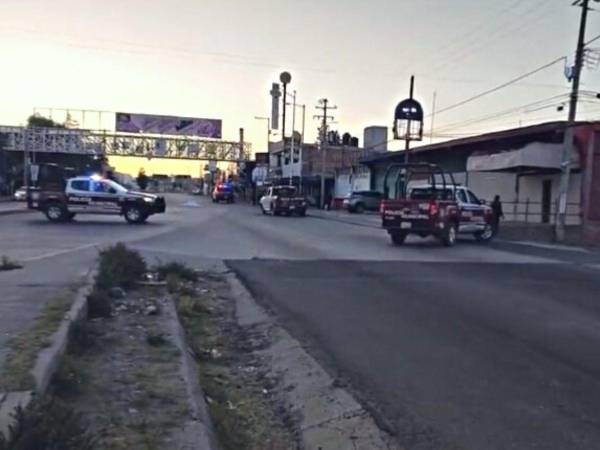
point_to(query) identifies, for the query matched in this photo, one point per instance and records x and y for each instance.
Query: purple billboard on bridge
(152, 124)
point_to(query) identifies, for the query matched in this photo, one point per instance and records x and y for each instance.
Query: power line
(495, 34)
(592, 40)
(494, 115)
(499, 87)
(462, 39)
(142, 49)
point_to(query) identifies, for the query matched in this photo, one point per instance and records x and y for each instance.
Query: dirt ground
(122, 374)
(135, 380)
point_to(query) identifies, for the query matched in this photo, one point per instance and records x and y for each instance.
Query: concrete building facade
(523, 166)
(303, 166)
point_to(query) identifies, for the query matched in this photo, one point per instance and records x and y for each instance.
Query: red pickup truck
(429, 203)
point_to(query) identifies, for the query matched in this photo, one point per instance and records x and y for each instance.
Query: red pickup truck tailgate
(422, 215)
(394, 212)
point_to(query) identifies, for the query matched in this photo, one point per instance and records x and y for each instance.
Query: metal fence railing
(528, 211)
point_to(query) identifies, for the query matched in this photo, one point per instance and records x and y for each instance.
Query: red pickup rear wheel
(398, 237)
(449, 236)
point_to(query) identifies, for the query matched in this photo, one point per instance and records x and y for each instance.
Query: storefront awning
(535, 156)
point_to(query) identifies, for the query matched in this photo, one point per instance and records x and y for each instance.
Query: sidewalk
(33, 333)
(512, 238)
(24, 292)
(9, 207)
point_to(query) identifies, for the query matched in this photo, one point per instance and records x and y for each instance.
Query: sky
(217, 59)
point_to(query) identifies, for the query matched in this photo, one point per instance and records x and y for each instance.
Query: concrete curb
(200, 430)
(6, 212)
(329, 416)
(48, 359)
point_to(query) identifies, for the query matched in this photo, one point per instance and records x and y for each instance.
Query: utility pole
(300, 155)
(432, 117)
(561, 213)
(26, 161)
(323, 140)
(293, 138)
(241, 144)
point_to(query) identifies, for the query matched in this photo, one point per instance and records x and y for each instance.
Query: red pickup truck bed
(422, 217)
(443, 219)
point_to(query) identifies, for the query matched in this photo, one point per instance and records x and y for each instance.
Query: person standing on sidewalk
(498, 213)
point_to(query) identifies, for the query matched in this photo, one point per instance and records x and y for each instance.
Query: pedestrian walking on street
(328, 200)
(498, 213)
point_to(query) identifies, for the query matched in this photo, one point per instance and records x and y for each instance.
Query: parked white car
(20, 195)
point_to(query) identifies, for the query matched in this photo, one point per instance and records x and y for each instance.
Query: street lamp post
(285, 78)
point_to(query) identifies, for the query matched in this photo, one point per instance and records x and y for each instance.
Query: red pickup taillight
(382, 208)
(433, 209)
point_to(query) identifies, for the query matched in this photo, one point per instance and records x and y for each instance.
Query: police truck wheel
(134, 214)
(398, 237)
(55, 212)
(449, 237)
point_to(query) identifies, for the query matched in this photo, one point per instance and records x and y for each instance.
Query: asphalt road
(452, 355)
(470, 347)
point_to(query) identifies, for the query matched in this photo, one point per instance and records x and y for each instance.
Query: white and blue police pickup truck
(95, 195)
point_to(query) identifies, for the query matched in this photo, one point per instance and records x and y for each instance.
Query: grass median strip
(123, 376)
(120, 381)
(121, 384)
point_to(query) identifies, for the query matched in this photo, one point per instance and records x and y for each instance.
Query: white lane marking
(61, 252)
(95, 244)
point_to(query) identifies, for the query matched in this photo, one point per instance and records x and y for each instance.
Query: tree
(36, 120)
(70, 122)
(142, 179)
